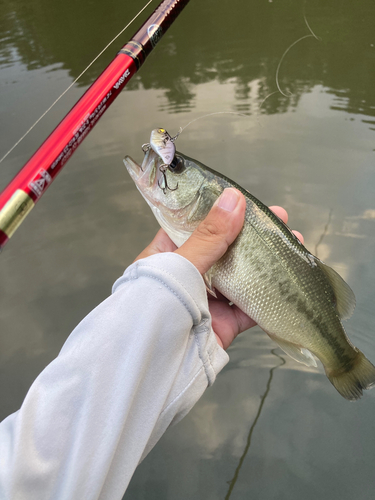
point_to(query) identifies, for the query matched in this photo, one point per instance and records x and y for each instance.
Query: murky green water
(267, 429)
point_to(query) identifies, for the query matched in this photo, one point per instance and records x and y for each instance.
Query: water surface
(269, 428)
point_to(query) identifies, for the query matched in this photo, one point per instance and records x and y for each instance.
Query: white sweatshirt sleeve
(134, 365)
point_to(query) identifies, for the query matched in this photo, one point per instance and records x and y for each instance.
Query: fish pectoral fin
(207, 278)
(300, 354)
(345, 298)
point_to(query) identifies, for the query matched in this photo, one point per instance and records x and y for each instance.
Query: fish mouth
(132, 167)
(146, 175)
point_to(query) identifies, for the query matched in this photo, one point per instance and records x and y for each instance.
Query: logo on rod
(40, 182)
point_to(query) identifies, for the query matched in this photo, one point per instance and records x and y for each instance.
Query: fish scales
(267, 272)
(275, 296)
(272, 283)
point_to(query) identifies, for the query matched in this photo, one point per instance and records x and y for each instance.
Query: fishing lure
(163, 145)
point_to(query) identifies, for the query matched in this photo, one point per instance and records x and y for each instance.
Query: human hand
(206, 246)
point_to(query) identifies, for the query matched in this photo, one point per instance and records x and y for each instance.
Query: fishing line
(211, 114)
(261, 104)
(76, 80)
(312, 34)
(205, 116)
(307, 24)
(281, 60)
(192, 121)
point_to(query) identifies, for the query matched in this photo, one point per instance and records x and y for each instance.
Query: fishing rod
(31, 182)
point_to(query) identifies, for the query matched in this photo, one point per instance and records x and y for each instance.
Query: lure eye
(177, 165)
(161, 130)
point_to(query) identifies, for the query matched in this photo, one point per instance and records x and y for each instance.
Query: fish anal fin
(345, 298)
(300, 354)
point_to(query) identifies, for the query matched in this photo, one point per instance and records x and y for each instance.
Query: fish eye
(177, 165)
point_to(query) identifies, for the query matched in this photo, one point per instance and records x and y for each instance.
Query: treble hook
(163, 169)
(145, 147)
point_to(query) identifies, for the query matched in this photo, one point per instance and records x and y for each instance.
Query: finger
(299, 236)
(161, 243)
(281, 213)
(220, 228)
(228, 321)
(221, 312)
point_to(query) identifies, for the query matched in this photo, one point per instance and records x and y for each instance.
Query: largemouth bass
(294, 297)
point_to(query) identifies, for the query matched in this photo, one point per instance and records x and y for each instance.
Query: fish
(298, 300)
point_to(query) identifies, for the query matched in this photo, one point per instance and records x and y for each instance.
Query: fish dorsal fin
(345, 298)
(300, 354)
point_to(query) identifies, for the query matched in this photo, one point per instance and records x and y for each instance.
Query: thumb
(219, 229)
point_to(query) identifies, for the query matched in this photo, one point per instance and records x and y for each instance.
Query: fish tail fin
(350, 383)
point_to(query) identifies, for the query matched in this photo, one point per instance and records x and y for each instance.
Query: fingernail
(228, 199)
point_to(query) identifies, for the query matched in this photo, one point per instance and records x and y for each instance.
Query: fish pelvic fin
(351, 382)
(300, 354)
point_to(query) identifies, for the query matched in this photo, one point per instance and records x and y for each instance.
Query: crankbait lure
(163, 145)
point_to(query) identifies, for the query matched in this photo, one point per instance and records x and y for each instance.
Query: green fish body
(294, 297)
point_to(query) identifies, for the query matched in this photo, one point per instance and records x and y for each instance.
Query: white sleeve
(134, 365)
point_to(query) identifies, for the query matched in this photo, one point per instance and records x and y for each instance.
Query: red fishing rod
(27, 187)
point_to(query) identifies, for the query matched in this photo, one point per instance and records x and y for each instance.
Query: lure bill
(294, 297)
